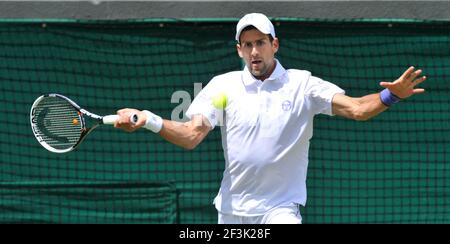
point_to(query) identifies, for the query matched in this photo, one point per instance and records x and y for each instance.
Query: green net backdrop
(391, 169)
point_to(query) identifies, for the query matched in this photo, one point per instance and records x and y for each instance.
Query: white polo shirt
(265, 136)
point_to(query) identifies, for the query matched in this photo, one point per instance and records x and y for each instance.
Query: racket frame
(81, 113)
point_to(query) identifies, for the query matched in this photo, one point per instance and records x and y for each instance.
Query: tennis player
(268, 123)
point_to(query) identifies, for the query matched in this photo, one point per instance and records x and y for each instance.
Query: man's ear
(275, 45)
(238, 48)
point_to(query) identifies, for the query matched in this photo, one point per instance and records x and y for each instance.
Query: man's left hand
(404, 86)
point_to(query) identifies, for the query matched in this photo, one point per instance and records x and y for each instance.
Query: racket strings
(58, 123)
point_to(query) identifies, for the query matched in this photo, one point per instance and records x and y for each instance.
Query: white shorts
(279, 215)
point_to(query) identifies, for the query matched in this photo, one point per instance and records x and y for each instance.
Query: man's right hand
(124, 122)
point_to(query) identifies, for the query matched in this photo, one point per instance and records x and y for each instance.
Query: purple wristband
(388, 98)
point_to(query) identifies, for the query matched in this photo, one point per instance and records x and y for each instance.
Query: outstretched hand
(404, 86)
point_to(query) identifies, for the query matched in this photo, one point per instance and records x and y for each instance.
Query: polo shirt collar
(279, 71)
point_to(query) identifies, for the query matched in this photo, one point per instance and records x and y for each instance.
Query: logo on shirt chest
(286, 105)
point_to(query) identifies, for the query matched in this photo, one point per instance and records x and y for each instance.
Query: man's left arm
(366, 107)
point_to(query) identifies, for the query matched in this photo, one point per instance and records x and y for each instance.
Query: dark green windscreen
(391, 169)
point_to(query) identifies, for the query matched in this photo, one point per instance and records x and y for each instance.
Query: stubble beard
(261, 72)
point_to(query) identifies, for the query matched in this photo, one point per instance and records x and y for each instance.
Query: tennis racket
(60, 125)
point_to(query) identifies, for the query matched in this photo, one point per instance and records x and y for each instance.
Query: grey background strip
(224, 9)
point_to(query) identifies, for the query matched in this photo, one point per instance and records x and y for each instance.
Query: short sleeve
(202, 103)
(321, 93)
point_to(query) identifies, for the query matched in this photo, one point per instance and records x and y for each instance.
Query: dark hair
(251, 27)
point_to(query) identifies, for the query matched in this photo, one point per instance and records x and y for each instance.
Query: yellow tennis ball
(220, 101)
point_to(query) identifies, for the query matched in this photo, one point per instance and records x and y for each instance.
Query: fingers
(408, 72)
(418, 91)
(411, 78)
(419, 80)
(386, 84)
(124, 121)
(414, 75)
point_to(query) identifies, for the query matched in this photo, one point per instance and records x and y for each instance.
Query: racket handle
(134, 119)
(111, 119)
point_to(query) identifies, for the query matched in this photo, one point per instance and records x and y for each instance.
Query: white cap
(260, 21)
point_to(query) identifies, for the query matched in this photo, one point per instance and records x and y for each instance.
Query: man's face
(258, 52)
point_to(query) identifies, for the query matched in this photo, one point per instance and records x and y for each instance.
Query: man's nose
(255, 51)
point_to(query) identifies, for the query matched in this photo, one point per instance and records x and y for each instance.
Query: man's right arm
(187, 135)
